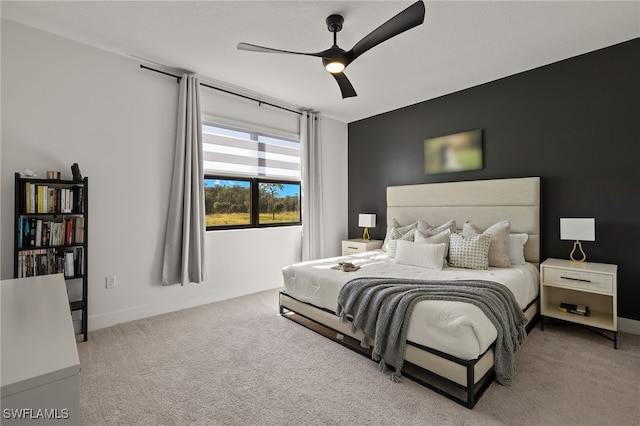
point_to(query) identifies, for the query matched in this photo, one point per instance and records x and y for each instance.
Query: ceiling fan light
(334, 67)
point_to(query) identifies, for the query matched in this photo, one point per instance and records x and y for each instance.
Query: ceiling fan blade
(403, 21)
(255, 48)
(345, 85)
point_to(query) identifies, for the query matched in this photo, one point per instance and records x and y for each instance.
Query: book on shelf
(34, 232)
(69, 232)
(26, 197)
(575, 309)
(45, 261)
(38, 233)
(40, 198)
(69, 264)
(52, 200)
(79, 231)
(20, 232)
(30, 232)
(78, 199)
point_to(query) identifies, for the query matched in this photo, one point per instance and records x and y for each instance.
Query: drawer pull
(575, 279)
(352, 248)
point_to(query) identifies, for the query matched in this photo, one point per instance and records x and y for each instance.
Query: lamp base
(578, 245)
(365, 234)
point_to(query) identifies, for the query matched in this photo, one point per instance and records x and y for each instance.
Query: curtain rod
(223, 90)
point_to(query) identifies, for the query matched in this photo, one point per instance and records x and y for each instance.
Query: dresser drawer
(578, 279)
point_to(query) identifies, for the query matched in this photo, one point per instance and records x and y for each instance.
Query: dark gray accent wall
(574, 123)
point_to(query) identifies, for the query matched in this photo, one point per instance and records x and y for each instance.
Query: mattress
(456, 328)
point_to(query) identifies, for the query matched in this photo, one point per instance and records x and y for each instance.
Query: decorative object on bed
(578, 229)
(451, 347)
(516, 248)
(423, 255)
(366, 221)
(425, 229)
(400, 228)
(429, 230)
(453, 153)
(440, 238)
(499, 247)
(469, 252)
(396, 235)
(346, 267)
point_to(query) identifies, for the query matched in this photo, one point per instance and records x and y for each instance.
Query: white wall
(66, 102)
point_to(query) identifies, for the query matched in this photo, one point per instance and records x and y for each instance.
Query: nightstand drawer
(359, 245)
(349, 247)
(578, 279)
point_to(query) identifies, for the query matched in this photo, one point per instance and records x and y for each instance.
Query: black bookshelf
(50, 234)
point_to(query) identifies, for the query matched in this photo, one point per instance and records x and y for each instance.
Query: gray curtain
(183, 260)
(312, 217)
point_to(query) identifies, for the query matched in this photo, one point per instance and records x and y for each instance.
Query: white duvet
(457, 328)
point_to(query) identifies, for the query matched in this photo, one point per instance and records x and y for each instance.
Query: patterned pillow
(499, 249)
(402, 229)
(471, 252)
(396, 235)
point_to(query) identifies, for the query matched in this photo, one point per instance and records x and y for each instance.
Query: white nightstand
(591, 284)
(358, 245)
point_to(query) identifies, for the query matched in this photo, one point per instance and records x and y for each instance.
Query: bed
(450, 345)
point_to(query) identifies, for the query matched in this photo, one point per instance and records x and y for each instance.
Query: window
(227, 203)
(279, 202)
(252, 179)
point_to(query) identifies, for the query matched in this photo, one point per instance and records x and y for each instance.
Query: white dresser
(40, 364)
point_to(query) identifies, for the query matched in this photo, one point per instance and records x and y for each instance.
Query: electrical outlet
(110, 282)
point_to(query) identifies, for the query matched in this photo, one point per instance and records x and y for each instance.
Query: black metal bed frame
(467, 396)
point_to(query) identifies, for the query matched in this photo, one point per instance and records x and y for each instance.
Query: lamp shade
(367, 220)
(578, 229)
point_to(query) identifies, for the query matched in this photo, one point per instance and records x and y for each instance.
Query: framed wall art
(453, 153)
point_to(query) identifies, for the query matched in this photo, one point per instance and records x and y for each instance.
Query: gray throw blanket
(381, 308)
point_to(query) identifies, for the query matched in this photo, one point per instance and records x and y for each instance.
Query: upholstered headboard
(483, 202)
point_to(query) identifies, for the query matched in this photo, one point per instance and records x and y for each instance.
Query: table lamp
(366, 221)
(578, 229)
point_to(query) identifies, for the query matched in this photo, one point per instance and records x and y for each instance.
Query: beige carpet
(238, 362)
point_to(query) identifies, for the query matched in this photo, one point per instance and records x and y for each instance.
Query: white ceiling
(460, 44)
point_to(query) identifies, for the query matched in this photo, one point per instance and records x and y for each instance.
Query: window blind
(245, 153)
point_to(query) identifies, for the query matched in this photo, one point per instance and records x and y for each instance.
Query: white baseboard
(627, 325)
(144, 311)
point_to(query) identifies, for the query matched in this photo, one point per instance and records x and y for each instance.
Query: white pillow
(424, 255)
(441, 238)
(471, 252)
(516, 248)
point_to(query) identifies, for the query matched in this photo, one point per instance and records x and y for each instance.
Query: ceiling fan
(335, 59)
